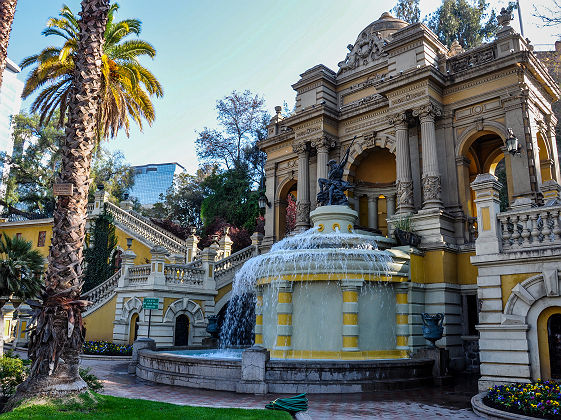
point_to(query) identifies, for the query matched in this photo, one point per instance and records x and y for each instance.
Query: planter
(407, 238)
(432, 327)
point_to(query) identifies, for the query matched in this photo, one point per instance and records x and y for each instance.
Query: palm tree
(21, 269)
(7, 11)
(126, 85)
(60, 332)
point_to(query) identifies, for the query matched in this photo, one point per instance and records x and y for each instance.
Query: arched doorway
(286, 208)
(373, 173)
(181, 336)
(133, 331)
(554, 342)
(483, 153)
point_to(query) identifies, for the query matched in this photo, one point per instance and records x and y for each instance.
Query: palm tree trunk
(7, 11)
(56, 343)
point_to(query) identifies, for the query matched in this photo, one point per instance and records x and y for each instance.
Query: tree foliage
(35, 161)
(21, 268)
(407, 10)
(126, 85)
(551, 16)
(99, 252)
(242, 122)
(470, 23)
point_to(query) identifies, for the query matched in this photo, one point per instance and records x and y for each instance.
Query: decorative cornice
(429, 110)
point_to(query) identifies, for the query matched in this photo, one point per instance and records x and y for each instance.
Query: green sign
(150, 303)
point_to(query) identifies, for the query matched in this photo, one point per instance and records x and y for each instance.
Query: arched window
(181, 337)
(554, 339)
(133, 332)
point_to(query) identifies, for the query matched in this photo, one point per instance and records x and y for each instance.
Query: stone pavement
(450, 403)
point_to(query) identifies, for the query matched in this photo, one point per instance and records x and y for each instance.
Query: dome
(386, 25)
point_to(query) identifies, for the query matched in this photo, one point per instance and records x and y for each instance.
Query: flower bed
(539, 399)
(107, 348)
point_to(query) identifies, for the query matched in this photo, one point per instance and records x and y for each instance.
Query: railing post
(157, 264)
(226, 245)
(256, 240)
(127, 261)
(192, 242)
(100, 198)
(126, 205)
(208, 256)
(489, 239)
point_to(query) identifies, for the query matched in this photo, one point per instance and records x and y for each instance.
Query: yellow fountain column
(283, 345)
(350, 289)
(259, 316)
(402, 318)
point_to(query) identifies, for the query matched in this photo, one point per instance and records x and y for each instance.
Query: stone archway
(287, 187)
(131, 312)
(194, 314)
(526, 303)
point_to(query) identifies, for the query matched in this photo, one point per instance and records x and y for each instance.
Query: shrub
(539, 399)
(94, 384)
(12, 373)
(107, 348)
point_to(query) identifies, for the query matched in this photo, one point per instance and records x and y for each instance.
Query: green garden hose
(292, 404)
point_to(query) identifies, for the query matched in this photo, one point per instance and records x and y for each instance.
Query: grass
(96, 406)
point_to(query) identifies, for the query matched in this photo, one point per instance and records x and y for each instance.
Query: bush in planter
(403, 231)
(106, 348)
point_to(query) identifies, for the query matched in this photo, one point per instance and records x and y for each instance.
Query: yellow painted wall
(30, 232)
(508, 281)
(222, 292)
(543, 341)
(99, 324)
(377, 167)
(443, 267)
(142, 251)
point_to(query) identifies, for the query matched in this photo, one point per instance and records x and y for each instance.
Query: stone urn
(404, 237)
(212, 327)
(432, 327)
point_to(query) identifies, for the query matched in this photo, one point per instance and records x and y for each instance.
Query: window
(41, 239)
(151, 169)
(19, 235)
(470, 314)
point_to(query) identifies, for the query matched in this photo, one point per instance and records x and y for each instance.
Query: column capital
(324, 143)
(398, 120)
(427, 112)
(300, 148)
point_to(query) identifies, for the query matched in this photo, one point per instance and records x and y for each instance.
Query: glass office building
(153, 180)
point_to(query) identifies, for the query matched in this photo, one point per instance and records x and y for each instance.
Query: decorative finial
(504, 17)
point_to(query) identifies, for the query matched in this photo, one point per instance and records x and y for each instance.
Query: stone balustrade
(471, 58)
(104, 291)
(186, 275)
(138, 274)
(232, 262)
(530, 228)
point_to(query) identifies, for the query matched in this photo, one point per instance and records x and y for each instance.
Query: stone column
(402, 317)
(100, 198)
(303, 202)
(157, 261)
(322, 146)
(284, 319)
(350, 289)
(431, 173)
(208, 257)
(373, 211)
(390, 204)
(226, 244)
(404, 181)
(192, 242)
(259, 316)
(127, 261)
(489, 238)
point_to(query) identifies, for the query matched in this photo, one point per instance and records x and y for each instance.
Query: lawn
(96, 406)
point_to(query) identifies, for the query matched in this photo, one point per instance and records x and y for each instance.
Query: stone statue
(332, 188)
(351, 60)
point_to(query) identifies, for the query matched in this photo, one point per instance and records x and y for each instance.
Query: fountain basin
(285, 376)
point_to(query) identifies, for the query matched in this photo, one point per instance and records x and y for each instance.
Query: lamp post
(513, 145)
(129, 243)
(263, 202)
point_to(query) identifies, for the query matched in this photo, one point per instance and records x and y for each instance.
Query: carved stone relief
(369, 47)
(431, 188)
(404, 192)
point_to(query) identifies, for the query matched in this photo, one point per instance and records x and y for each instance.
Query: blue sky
(206, 49)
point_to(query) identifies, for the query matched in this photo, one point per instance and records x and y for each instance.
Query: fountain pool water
(328, 309)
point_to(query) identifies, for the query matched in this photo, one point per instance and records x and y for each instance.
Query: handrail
(535, 227)
(156, 235)
(103, 290)
(234, 260)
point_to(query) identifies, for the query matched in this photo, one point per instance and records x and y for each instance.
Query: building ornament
(431, 188)
(397, 119)
(404, 192)
(455, 49)
(370, 46)
(504, 17)
(471, 59)
(427, 110)
(300, 148)
(324, 142)
(302, 212)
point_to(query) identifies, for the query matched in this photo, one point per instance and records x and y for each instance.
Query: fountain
(328, 315)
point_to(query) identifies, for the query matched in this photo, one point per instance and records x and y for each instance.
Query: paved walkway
(450, 403)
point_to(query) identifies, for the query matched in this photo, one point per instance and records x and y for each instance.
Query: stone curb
(88, 356)
(487, 412)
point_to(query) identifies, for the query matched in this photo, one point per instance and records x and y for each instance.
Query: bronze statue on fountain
(332, 189)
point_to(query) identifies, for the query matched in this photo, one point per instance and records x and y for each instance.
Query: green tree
(99, 252)
(21, 269)
(407, 10)
(467, 22)
(126, 85)
(242, 119)
(229, 196)
(36, 160)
